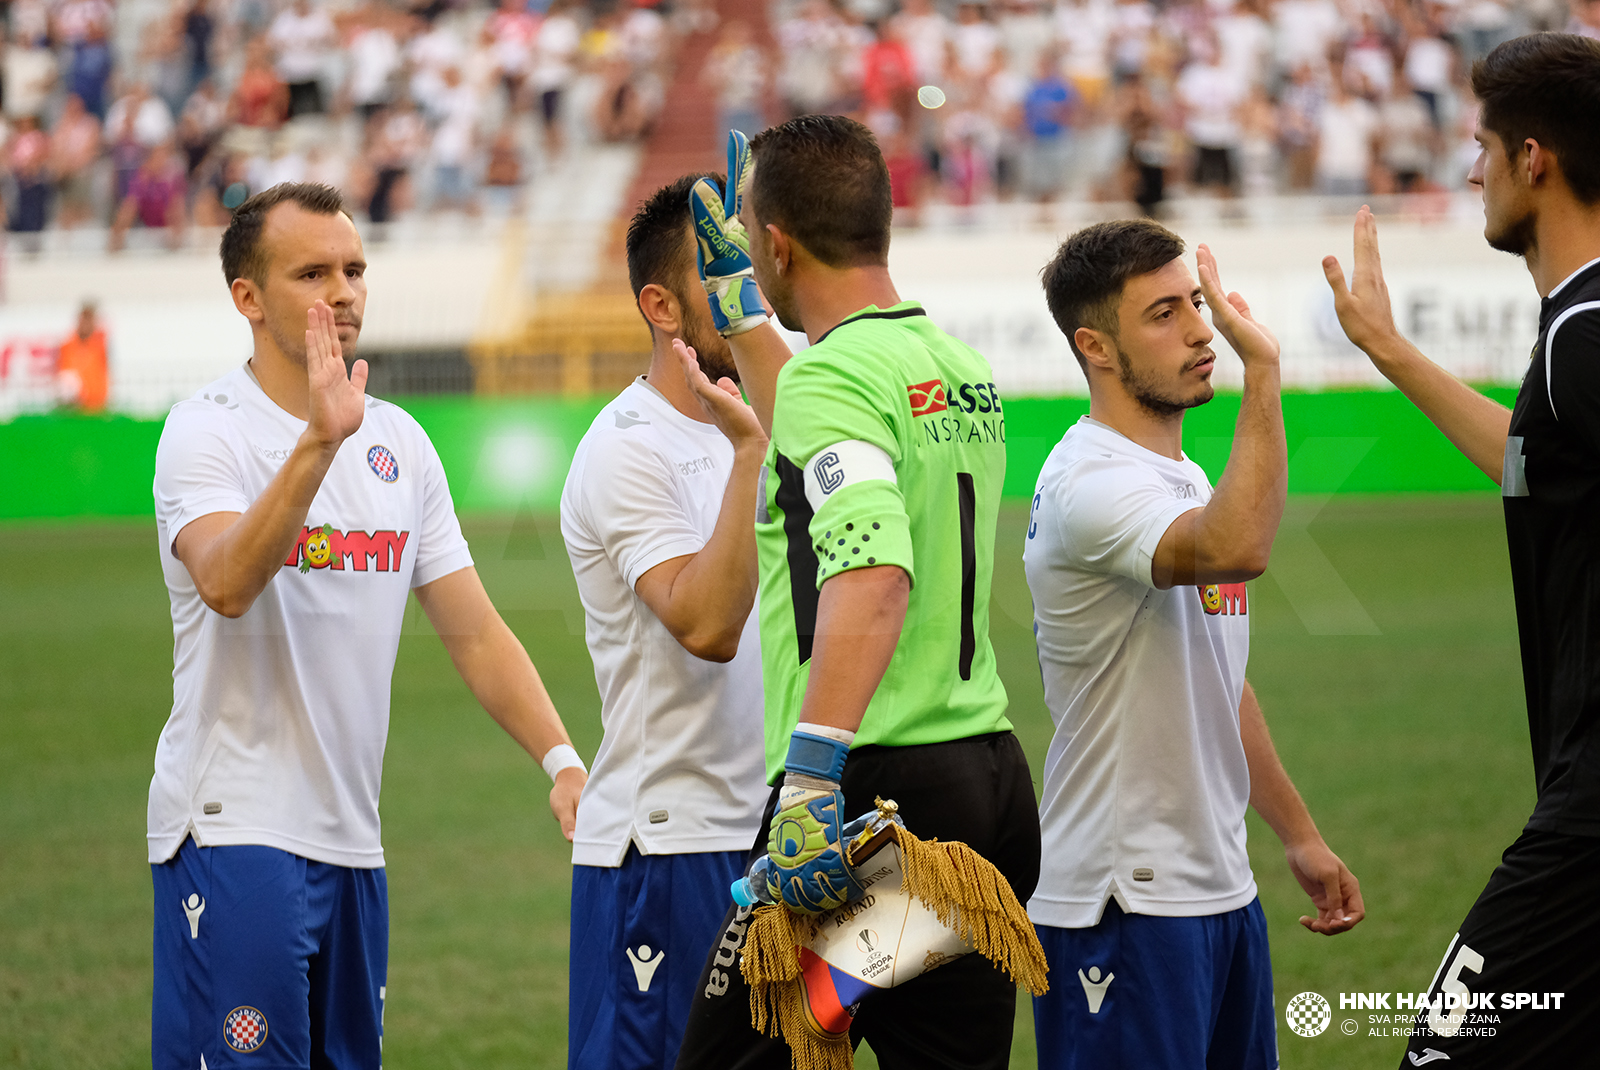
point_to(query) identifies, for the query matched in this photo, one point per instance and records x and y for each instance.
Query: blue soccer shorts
(267, 960)
(640, 934)
(1145, 993)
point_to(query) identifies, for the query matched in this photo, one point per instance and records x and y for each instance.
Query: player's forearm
(1272, 793)
(859, 619)
(759, 355)
(503, 679)
(1230, 539)
(1474, 424)
(711, 596)
(232, 566)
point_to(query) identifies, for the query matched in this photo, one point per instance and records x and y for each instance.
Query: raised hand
(722, 249)
(721, 401)
(337, 401)
(1363, 307)
(1231, 315)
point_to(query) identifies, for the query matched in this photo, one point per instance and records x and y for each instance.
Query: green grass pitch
(1384, 652)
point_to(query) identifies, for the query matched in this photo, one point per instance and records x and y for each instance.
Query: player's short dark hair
(823, 180)
(241, 242)
(1546, 86)
(1083, 283)
(660, 239)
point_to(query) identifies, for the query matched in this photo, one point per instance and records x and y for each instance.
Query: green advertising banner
(507, 454)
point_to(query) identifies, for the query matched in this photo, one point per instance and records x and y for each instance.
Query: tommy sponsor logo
(1228, 599)
(644, 965)
(1094, 988)
(328, 547)
(928, 397)
(245, 1029)
(383, 464)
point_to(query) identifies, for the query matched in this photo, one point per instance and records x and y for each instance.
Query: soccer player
(1146, 906)
(1539, 170)
(875, 534)
(295, 514)
(656, 515)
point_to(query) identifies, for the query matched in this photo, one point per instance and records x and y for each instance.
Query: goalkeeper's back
(888, 448)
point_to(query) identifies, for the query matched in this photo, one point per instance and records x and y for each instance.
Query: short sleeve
(1574, 370)
(443, 548)
(1114, 512)
(197, 470)
(631, 508)
(840, 427)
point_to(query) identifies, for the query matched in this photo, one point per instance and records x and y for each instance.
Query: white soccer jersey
(1145, 782)
(279, 717)
(680, 765)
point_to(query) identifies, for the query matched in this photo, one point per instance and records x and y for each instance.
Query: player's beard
(1159, 398)
(1516, 237)
(716, 359)
(292, 344)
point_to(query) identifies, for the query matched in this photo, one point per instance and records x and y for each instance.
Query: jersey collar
(1563, 283)
(873, 312)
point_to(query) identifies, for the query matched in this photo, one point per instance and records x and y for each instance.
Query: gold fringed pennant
(926, 903)
(966, 892)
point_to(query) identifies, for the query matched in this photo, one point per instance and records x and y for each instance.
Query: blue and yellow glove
(808, 870)
(722, 249)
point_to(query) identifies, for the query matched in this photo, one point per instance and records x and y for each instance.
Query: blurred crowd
(167, 113)
(1136, 100)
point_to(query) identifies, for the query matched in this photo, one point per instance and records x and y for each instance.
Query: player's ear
(782, 248)
(1094, 346)
(247, 299)
(660, 308)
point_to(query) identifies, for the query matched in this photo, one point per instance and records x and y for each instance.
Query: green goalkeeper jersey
(888, 448)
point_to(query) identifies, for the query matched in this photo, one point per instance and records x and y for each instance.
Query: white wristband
(838, 735)
(562, 757)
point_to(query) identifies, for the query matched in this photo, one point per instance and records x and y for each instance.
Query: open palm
(1231, 315)
(338, 401)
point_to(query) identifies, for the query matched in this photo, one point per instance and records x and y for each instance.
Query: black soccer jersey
(1551, 490)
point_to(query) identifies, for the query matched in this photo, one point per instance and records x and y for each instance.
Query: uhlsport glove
(722, 249)
(808, 870)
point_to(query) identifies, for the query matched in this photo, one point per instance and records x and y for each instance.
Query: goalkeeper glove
(722, 249)
(808, 870)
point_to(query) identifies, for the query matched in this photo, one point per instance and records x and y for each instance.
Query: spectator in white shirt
(300, 38)
(1347, 131)
(555, 63)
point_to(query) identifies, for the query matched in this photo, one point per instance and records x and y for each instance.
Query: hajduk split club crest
(245, 1029)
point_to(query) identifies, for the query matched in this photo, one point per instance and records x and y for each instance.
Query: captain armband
(858, 515)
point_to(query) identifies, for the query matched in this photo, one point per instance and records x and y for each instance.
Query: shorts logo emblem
(927, 398)
(1308, 1014)
(829, 472)
(383, 464)
(644, 965)
(193, 907)
(1428, 1055)
(1094, 989)
(245, 1029)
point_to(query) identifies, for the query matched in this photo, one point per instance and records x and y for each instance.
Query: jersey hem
(170, 842)
(610, 854)
(1086, 914)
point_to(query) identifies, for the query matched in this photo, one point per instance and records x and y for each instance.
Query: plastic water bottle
(751, 889)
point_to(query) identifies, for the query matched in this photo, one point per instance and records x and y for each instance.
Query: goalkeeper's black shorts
(978, 791)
